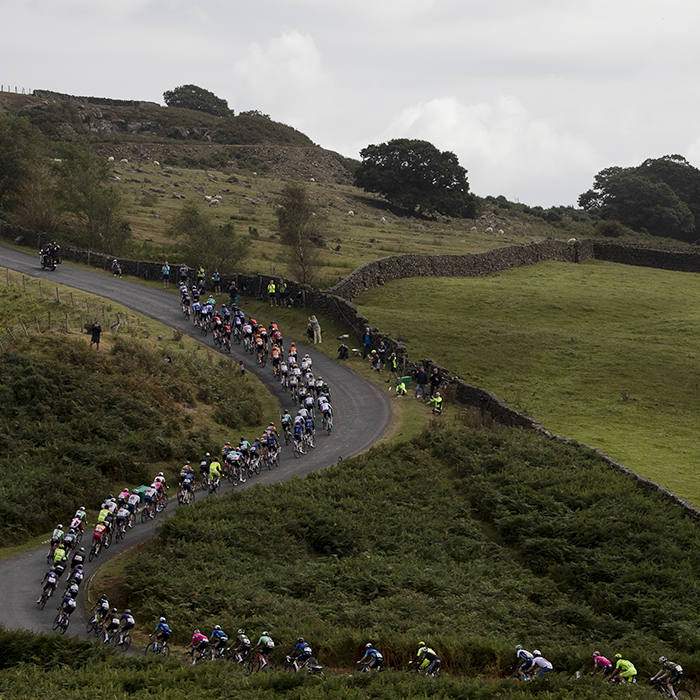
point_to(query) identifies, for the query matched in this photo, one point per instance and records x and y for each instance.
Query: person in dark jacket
(421, 381)
(434, 381)
(366, 343)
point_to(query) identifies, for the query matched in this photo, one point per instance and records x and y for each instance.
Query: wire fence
(69, 312)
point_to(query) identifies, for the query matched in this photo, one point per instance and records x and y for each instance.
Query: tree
(197, 98)
(416, 176)
(85, 194)
(661, 196)
(21, 150)
(212, 247)
(300, 231)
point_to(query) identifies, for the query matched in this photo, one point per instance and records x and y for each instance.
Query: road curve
(362, 412)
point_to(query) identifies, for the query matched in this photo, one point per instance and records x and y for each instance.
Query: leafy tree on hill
(197, 98)
(416, 176)
(299, 230)
(208, 245)
(20, 152)
(661, 196)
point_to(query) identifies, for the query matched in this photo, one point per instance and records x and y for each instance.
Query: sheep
(311, 179)
(217, 196)
(473, 229)
(156, 163)
(500, 231)
(351, 213)
(383, 219)
(207, 198)
(124, 161)
(214, 203)
(57, 160)
(110, 159)
(571, 241)
(488, 230)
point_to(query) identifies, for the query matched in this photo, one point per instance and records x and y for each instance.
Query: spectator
(343, 352)
(309, 332)
(366, 343)
(434, 381)
(272, 293)
(166, 275)
(95, 330)
(393, 367)
(400, 387)
(421, 381)
(374, 360)
(216, 281)
(283, 292)
(436, 402)
(381, 351)
(316, 328)
(116, 268)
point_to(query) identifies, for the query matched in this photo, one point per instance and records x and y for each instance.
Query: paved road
(362, 416)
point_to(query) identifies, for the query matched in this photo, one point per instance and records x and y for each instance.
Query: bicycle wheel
(257, 466)
(90, 625)
(254, 666)
(91, 556)
(56, 621)
(683, 694)
(165, 650)
(64, 624)
(124, 646)
(144, 514)
(164, 501)
(151, 649)
(108, 540)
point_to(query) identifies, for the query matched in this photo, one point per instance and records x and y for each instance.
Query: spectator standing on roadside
(381, 351)
(272, 292)
(421, 381)
(234, 296)
(393, 367)
(166, 275)
(201, 274)
(366, 343)
(96, 330)
(343, 352)
(283, 292)
(434, 381)
(316, 328)
(216, 281)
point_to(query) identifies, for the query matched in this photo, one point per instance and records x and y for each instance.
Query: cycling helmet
(207, 455)
(662, 659)
(618, 656)
(596, 653)
(421, 644)
(127, 611)
(79, 567)
(196, 631)
(82, 508)
(218, 627)
(265, 634)
(71, 531)
(60, 527)
(300, 640)
(537, 652)
(368, 645)
(113, 610)
(82, 549)
(241, 632)
(104, 597)
(162, 619)
(518, 647)
(160, 473)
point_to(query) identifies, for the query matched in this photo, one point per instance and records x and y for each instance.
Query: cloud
(502, 144)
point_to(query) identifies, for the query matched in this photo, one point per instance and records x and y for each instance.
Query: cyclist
(68, 605)
(427, 658)
(524, 656)
(301, 654)
(162, 632)
(101, 608)
(133, 504)
(49, 583)
(372, 658)
(624, 669)
(72, 589)
(215, 472)
(601, 665)
(150, 499)
(670, 670)
(160, 479)
(77, 575)
(98, 535)
(219, 639)
(286, 422)
(244, 644)
(112, 625)
(298, 433)
(60, 556)
(310, 429)
(243, 447)
(77, 525)
(103, 514)
(70, 539)
(265, 645)
(78, 560)
(57, 536)
(123, 514)
(123, 497)
(127, 621)
(204, 465)
(540, 662)
(199, 643)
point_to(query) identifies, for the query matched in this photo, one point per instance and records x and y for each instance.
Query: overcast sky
(534, 96)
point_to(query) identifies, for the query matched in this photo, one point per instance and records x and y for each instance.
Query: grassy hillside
(602, 353)
(78, 423)
(473, 541)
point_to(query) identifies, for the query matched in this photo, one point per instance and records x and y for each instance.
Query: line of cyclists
(115, 517)
(621, 671)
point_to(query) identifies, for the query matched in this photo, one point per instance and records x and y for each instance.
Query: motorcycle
(49, 259)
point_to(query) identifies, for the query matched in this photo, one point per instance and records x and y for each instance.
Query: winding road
(362, 413)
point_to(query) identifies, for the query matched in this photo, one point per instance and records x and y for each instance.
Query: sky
(535, 97)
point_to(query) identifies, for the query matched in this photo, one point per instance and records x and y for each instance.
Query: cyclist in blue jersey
(162, 631)
(372, 658)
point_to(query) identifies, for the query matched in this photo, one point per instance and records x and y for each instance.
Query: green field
(604, 354)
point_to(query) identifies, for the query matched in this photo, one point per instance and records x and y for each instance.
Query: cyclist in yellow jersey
(624, 669)
(215, 471)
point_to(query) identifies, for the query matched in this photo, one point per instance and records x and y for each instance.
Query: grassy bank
(605, 354)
